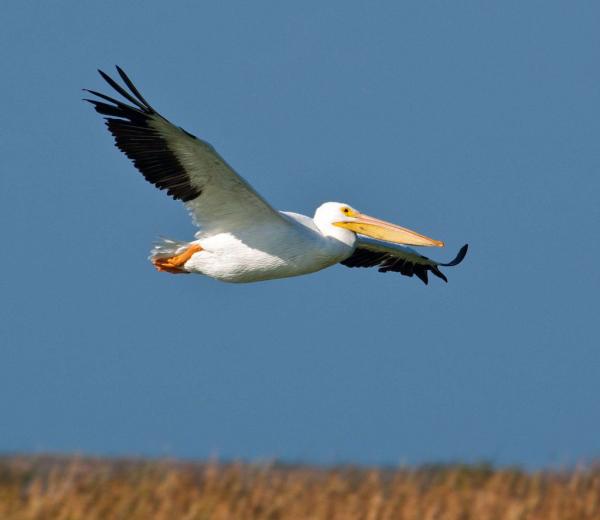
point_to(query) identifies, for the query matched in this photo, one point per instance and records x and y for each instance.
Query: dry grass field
(48, 488)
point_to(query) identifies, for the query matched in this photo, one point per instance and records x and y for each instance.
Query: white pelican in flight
(242, 238)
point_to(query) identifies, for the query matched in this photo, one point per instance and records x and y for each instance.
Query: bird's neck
(336, 233)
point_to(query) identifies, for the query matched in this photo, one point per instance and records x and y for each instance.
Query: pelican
(242, 238)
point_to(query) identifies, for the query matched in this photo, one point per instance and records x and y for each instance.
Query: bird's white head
(343, 222)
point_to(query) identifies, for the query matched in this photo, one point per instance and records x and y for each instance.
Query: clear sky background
(472, 122)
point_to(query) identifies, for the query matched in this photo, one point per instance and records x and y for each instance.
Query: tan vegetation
(44, 488)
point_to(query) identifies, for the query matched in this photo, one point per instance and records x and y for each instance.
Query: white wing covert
(174, 160)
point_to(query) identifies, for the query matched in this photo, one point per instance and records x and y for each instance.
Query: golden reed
(49, 488)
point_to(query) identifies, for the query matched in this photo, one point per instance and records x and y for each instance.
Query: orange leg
(174, 264)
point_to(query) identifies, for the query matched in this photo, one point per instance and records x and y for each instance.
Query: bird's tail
(166, 248)
(171, 255)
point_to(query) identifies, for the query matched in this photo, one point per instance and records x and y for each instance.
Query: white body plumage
(293, 246)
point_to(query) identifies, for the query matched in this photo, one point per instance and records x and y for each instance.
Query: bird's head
(338, 220)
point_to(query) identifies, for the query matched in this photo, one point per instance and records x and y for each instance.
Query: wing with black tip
(398, 259)
(174, 160)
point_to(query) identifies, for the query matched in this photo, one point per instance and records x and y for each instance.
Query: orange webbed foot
(174, 264)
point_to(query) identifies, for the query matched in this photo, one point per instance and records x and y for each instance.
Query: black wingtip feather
(135, 135)
(438, 273)
(132, 87)
(124, 93)
(459, 257)
(422, 275)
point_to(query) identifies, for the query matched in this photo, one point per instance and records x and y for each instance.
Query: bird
(241, 237)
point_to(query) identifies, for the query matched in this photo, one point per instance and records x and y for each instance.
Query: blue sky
(470, 122)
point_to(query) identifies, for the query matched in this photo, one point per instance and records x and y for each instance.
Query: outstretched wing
(399, 259)
(174, 160)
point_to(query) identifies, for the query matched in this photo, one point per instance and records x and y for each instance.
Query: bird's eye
(346, 210)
